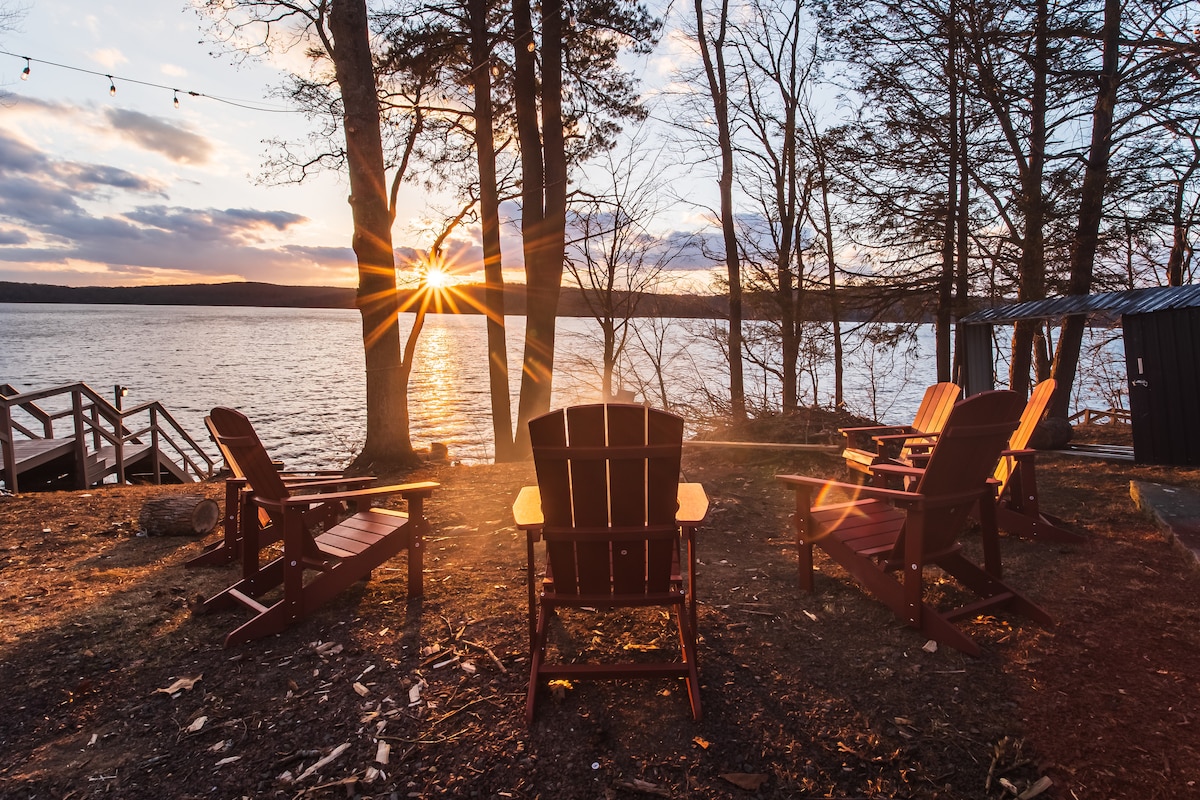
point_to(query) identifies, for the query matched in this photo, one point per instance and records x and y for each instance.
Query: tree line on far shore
(856, 304)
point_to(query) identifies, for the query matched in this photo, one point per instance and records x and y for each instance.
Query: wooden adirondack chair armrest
(902, 437)
(408, 490)
(856, 490)
(693, 505)
(860, 438)
(919, 460)
(320, 482)
(527, 509)
(692, 511)
(876, 428)
(894, 474)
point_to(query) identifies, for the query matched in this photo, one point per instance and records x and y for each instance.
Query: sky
(100, 189)
(126, 189)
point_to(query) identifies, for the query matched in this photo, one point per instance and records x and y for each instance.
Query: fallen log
(179, 515)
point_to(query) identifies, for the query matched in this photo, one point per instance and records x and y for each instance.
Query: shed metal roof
(1132, 301)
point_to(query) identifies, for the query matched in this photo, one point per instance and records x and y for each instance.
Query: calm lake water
(298, 373)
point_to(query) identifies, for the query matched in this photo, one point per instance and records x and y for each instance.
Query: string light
(250, 105)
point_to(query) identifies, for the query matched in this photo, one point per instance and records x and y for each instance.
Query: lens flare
(437, 278)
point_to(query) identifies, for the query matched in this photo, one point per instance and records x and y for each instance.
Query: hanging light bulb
(531, 47)
(176, 91)
(25, 72)
(112, 86)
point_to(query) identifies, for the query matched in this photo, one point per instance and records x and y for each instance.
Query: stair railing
(97, 423)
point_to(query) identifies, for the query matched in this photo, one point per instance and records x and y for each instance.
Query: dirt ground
(115, 688)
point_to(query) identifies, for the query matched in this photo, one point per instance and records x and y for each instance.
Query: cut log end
(179, 515)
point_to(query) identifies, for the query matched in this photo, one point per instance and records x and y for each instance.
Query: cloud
(69, 219)
(159, 136)
(37, 190)
(13, 236)
(211, 224)
(109, 57)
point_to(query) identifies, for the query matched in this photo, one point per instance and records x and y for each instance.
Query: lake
(298, 373)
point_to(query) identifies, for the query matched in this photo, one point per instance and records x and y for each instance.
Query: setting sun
(438, 278)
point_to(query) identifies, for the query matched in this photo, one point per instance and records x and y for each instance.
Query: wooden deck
(33, 453)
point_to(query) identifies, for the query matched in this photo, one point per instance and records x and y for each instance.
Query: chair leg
(805, 553)
(802, 520)
(687, 646)
(537, 654)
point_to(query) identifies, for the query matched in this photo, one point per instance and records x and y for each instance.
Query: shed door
(1162, 354)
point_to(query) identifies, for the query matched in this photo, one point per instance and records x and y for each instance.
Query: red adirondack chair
(1018, 510)
(611, 513)
(874, 444)
(237, 502)
(324, 551)
(882, 532)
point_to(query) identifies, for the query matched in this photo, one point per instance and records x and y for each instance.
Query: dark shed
(1162, 358)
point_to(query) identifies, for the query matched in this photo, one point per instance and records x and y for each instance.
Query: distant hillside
(195, 294)
(856, 303)
(275, 296)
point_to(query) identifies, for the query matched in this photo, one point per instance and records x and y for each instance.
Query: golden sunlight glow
(438, 278)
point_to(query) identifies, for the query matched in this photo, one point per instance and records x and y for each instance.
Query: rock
(1052, 433)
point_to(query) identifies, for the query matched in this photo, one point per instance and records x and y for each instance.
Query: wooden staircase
(143, 444)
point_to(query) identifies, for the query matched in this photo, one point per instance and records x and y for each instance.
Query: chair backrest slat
(935, 407)
(235, 436)
(608, 467)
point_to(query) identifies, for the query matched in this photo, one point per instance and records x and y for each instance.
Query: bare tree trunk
(544, 202)
(1180, 220)
(713, 55)
(387, 437)
(489, 217)
(1091, 202)
(945, 297)
(1031, 281)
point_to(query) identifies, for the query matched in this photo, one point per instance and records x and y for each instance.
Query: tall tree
(774, 67)
(1091, 202)
(1148, 72)
(336, 31)
(712, 53)
(489, 219)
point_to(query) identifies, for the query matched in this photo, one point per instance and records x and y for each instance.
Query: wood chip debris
(414, 692)
(180, 685)
(746, 780)
(645, 787)
(324, 762)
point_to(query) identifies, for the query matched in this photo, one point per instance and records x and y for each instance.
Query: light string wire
(112, 79)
